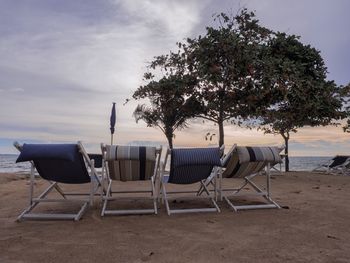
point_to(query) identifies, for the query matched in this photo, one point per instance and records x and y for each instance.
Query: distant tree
(297, 73)
(345, 94)
(170, 96)
(227, 63)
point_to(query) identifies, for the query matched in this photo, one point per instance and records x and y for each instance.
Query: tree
(227, 63)
(171, 102)
(297, 73)
(345, 95)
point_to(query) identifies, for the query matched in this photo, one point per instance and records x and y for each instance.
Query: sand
(314, 226)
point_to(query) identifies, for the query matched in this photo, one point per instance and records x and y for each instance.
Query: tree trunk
(221, 132)
(286, 158)
(169, 135)
(170, 141)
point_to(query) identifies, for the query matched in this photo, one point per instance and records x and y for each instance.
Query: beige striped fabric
(121, 152)
(245, 161)
(130, 163)
(257, 154)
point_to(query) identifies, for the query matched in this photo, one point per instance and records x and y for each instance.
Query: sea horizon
(296, 163)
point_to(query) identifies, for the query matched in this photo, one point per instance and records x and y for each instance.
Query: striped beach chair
(246, 163)
(59, 165)
(190, 166)
(125, 164)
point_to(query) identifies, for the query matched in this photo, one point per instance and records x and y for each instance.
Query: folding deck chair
(246, 163)
(129, 163)
(283, 156)
(337, 165)
(190, 166)
(58, 164)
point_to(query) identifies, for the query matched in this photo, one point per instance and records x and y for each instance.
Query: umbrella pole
(111, 139)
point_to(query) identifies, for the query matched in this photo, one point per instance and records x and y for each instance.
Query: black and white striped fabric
(192, 165)
(130, 163)
(244, 161)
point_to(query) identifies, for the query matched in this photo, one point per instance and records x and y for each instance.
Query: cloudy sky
(64, 62)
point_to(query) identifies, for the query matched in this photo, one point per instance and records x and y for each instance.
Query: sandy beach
(313, 226)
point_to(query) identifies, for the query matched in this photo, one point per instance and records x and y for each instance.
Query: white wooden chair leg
(155, 206)
(220, 187)
(268, 180)
(32, 182)
(165, 199)
(108, 194)
(81, 211)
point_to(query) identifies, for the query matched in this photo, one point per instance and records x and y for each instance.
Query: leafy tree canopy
(171, 102)
(227, 61)
(345, 95)
(297, 73)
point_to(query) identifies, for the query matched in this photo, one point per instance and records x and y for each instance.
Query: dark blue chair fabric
(62, 163)
(97, 158)
(192, 165)
(338, 160)
(32, 152)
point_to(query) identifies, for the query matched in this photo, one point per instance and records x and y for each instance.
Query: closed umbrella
(112, 121)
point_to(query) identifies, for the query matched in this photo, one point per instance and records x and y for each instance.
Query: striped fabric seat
(192, 165)
(258, 154)
(245, 161)
(130, 163)
(244, 164)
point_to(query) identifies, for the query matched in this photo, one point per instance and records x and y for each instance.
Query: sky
(64, 62)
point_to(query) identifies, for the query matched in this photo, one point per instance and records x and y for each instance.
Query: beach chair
(58, 164)
(245, 163)
(337, 165)
(190, 166)
(125, 164)
(279, 164)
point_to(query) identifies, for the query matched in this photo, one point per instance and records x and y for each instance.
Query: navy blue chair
(58, 164)
(190, 166)
(337, 165)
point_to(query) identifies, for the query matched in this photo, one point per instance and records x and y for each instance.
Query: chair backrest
(63, 163)
(97, 159)
(245, 161)
(227, 157)
(191, 165)
(131, 163)
(339, 160)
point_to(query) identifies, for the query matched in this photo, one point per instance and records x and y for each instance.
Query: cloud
(68, 63)
(17, 90)
(174, 19)
(64, 62)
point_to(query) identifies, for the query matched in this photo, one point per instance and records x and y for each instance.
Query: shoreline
(314, 228)
(299, 164)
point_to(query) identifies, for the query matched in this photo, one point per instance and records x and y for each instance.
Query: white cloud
(66, 71)
(62, 66)
(17, 90)
(174, 19)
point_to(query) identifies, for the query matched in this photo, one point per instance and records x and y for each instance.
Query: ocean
(8, 163)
